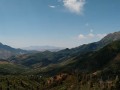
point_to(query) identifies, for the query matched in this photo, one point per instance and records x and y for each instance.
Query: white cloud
(81, 36)
(75, 6)
(91, 36)
(51, 6)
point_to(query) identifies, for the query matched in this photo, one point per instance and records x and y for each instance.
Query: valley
(87, 67)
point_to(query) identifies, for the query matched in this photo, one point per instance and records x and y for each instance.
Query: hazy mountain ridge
(7, 51)
(44, 48)
(52, 60)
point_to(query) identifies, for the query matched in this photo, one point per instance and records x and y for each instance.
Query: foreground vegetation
(62, 81)
(13, 82)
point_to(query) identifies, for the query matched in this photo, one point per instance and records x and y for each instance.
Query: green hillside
(94, 66)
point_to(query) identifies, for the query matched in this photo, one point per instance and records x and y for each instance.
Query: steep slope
(110, 38)
(97, 45)
(107, 58)
(103, 57)
(7, 51)
(99, 70)
(92, 46)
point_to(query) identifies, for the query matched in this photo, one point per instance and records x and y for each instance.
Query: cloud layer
(91, 36)
(75, 6)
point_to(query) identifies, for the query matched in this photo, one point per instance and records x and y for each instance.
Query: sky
(62, 23)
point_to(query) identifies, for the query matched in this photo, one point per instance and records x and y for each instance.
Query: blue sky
(63, 23)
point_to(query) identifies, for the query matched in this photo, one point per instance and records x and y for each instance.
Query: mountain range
(48, 60)
(96, 60)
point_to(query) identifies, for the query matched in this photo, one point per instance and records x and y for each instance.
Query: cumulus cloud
(75, 6)
(81, 36)
(91, 36)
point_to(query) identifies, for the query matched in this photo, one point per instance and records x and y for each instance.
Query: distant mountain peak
(112, 36)
(44, 48)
